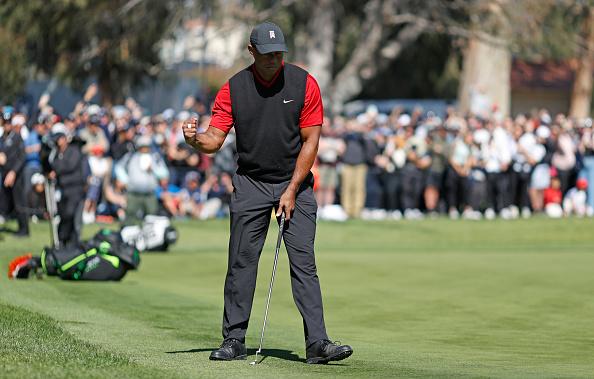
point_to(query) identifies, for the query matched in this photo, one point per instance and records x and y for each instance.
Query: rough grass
(415, 299)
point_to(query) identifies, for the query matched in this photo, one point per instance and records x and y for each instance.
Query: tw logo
(271, 34)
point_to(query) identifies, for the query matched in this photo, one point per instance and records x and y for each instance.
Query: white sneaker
(470, 214)
(514, 212)
(413, 214)
(454, 214)
(2, 220)
(526, 213)
(396, 215)
(365, 214)
(590, 211)
(490, 214)
(34, 219)
(507, 213)
(378, 214)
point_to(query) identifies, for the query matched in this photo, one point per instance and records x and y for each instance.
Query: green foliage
(12, 65)
(114, 41)
(431, 68)
(546, 29)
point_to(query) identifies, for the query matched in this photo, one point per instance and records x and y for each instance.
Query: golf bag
(155, 234)
(104, 257)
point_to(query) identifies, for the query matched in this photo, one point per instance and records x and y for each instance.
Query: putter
(278, 244)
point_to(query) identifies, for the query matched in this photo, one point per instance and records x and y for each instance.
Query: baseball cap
(183, 116)
(59, 129)
(94, 119)
(18, 120)
(268, 37)
(7, 112)
(582, 183)
(543, 132)
(37, 178)
(93, 110)
(143, 141)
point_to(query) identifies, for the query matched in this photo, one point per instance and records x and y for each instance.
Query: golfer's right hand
(189, 129)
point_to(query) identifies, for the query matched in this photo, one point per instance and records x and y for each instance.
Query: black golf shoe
(324, 351)
(231, 349)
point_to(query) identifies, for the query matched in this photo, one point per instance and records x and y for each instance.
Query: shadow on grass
(276, 353)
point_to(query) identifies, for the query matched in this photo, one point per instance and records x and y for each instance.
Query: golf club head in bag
(278, 245)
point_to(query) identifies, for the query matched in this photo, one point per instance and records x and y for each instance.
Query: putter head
(255, 362)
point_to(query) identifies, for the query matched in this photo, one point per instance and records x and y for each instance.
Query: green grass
(415, 299)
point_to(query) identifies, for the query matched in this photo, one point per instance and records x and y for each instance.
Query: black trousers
(413, 185)
(251, 205)
(518, 189)
(457, 189)
(392, 188)
(497, 187)
(14, 199)
(70, 210)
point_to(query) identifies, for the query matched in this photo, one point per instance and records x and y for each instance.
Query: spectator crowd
(406, 164)
(417, 164)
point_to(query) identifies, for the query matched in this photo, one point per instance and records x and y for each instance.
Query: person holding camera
(142, 172)
(68, 166)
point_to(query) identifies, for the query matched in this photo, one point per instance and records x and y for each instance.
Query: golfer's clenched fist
(208, 142)
(189, 129)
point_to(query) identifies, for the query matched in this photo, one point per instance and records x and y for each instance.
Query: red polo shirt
(312, 113)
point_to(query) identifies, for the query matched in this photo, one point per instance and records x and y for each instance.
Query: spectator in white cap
(68, 166)
(94, 136)
(141, 172)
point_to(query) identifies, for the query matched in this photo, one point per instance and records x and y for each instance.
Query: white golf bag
(155, 233)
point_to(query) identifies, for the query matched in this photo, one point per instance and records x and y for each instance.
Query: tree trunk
(320, 47)
(374, 51)
(581, 94)
(485, 81)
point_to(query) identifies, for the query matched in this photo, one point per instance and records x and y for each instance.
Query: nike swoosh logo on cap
(287, 101)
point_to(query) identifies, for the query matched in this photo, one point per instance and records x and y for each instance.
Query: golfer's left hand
(287, 204)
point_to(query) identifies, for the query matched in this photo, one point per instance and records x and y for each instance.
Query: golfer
(276, 109)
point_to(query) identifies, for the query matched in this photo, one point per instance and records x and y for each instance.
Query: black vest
(266, 121)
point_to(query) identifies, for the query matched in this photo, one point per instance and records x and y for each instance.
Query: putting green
(434, 298)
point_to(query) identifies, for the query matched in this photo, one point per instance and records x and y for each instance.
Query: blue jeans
(588, 173)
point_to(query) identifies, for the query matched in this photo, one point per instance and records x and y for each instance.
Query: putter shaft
(278, 244)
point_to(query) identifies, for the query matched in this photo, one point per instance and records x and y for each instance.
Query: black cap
(268, 37)
(94, 120)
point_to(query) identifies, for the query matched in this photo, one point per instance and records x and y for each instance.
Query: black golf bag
(104, 257)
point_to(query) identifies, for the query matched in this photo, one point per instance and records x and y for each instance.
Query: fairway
(433, 298)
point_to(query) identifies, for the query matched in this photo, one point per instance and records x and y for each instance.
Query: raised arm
(220, 123)
(208, 142)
